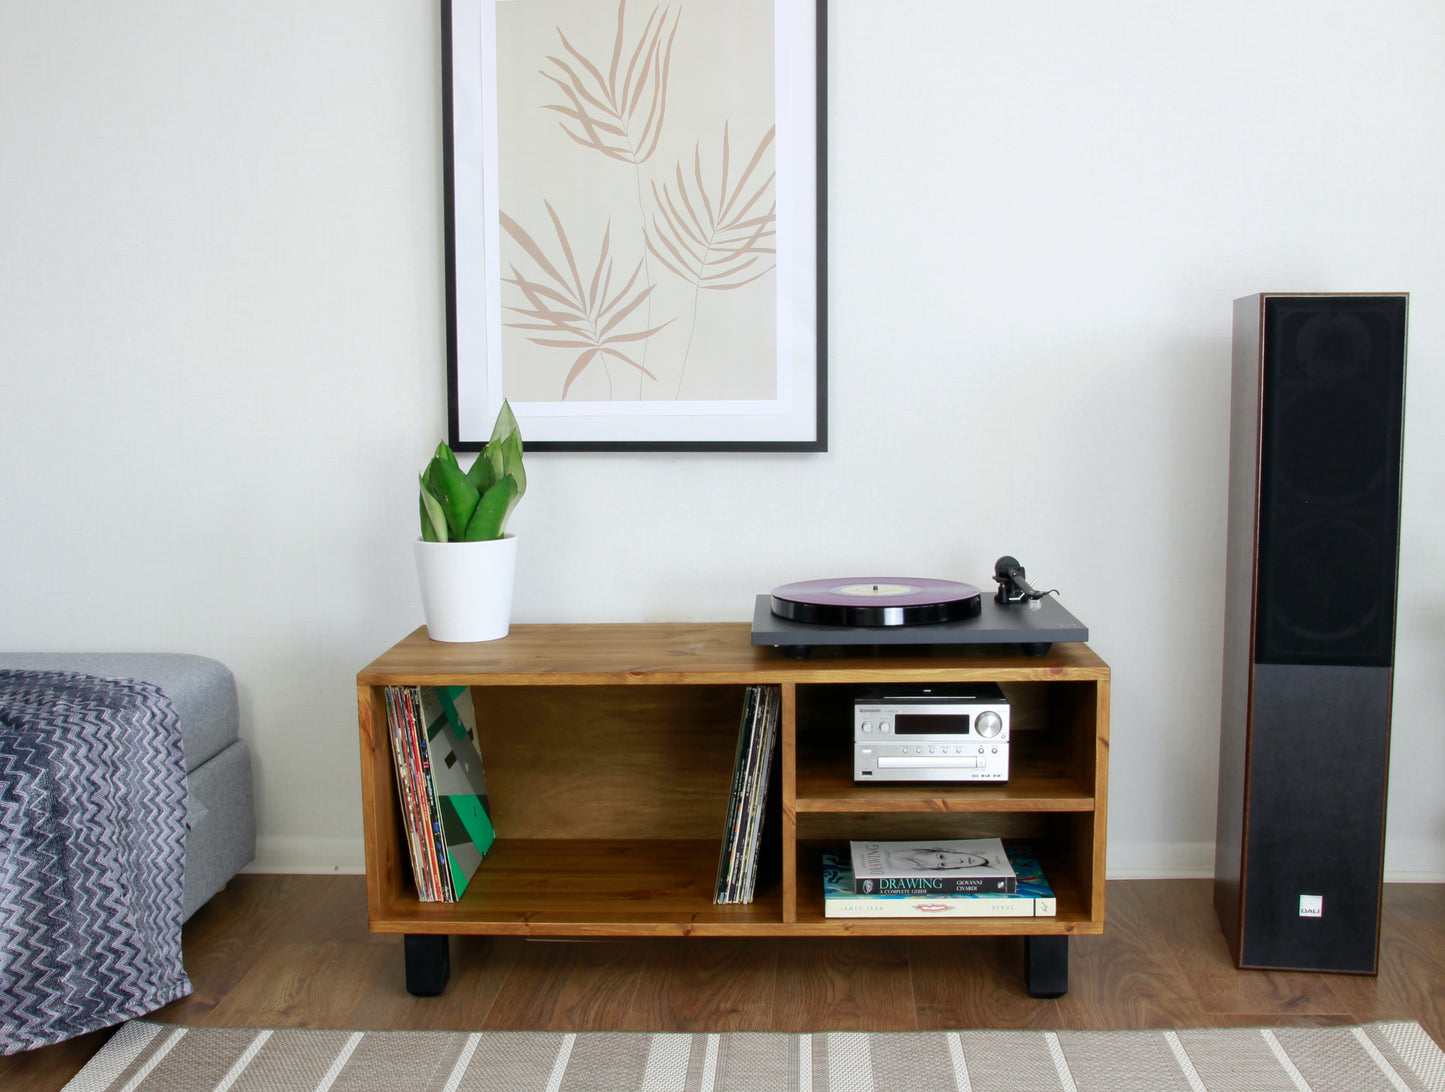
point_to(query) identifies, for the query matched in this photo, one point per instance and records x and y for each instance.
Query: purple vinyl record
(876, 601)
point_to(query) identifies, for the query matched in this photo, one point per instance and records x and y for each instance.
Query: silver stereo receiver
(931, 733)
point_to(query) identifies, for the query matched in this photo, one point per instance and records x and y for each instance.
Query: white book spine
(1006, 907)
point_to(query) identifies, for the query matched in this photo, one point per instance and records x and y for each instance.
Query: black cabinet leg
(428, 963)
(1046, 966)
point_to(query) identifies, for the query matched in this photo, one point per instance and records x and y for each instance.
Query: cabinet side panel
(1074, 715)
(1100, 824)
(788, 747)
(387, 865)
(1239, 599)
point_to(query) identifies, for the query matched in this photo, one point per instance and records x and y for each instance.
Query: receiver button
(989, 724)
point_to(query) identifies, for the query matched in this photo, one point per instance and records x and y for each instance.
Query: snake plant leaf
(490, 519)
(473, 506)
(483, 474)
(502, 455)
(507, 443)
(446, 455)
(454, 492)
(433, 520)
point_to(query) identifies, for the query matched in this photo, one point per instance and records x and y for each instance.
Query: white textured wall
(222, 352)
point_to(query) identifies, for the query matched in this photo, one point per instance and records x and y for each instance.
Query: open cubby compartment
(1052, 756)
(1063, 842)
(609, 804)
(1052, 801)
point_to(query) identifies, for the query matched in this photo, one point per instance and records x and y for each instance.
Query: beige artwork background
(636, 193)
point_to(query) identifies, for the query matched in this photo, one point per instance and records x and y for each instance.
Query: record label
(876, 601)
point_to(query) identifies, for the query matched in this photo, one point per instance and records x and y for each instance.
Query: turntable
(892, 610)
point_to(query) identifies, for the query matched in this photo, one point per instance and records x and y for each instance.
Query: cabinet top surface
(698, 652)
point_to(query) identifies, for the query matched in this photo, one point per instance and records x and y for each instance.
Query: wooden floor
(294, 951)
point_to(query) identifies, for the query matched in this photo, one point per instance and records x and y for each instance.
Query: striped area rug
(149, 1057)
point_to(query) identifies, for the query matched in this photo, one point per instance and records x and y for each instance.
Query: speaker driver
(1340, 449)
(1317, 594)
(1333, 346)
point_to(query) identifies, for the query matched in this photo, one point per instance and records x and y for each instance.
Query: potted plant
(465, 559)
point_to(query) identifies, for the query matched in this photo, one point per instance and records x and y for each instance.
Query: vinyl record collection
(757, 739)
(442, 786)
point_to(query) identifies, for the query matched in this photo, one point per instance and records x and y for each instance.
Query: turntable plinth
(609, 758)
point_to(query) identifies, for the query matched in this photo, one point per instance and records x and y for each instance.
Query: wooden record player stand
(609, 759)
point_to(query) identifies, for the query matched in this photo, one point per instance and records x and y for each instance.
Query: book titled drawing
(1033, 898)
(977, 866)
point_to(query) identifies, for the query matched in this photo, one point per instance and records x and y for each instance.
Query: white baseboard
(307, 856)
(1160, 861)
(1414, 862)
(1405, 862)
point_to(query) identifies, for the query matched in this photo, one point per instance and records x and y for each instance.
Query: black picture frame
(795, 419)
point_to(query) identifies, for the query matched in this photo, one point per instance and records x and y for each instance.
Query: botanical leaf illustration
(620, 113)
(581, 314)
(719, 241)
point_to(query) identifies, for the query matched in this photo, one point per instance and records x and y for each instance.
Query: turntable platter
(876, 601)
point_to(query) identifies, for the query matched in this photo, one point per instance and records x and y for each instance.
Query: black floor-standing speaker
(1317, 412)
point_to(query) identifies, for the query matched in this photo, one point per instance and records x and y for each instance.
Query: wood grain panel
(480, 967)
(974, 982)
(609, 761)
(592, 887)
(388, 867)
(707, 984)
(788, 806)
(562, 986)
(301, 985)
(861, 987)
(1121, 975)
(718, 652)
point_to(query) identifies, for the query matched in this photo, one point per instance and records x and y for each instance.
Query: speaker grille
(1333, 403)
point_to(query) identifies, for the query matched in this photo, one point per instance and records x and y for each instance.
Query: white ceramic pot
(466, 588)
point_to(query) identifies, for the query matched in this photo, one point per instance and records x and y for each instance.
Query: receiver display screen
(930, 724)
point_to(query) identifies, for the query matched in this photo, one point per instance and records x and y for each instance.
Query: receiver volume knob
(989, 724)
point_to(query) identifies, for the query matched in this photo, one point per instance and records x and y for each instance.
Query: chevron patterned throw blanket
(92, 816)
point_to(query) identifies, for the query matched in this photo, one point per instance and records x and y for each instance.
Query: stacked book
(966, 879)
(441, 785)
(737, 870)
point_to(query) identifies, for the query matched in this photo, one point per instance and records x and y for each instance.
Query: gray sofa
(221, 818)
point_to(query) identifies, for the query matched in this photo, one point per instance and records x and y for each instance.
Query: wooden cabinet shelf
(609, 753)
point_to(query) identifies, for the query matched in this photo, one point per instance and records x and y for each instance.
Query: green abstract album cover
(458, 781)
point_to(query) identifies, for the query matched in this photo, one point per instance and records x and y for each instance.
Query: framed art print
(635, 218)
